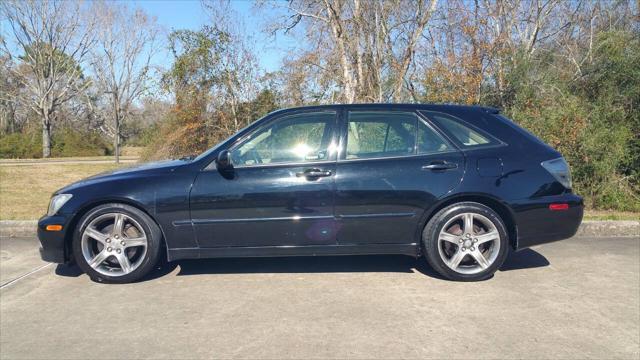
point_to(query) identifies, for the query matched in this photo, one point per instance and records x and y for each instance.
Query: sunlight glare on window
(301, 150)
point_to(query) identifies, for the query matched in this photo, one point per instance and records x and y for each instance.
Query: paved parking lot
(573, 299)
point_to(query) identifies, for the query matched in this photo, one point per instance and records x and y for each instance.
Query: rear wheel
(116, 243)
(466, 242)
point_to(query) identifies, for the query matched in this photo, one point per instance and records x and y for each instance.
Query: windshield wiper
(187, 158)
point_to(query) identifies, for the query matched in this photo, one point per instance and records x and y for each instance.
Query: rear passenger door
(393, 165)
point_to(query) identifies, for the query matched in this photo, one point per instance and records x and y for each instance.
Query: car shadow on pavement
(311, 264)
(162, 269)
(68, 270)
(524, 259)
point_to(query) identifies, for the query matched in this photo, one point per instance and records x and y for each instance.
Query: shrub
(70, 142)
(27, 144)
(593, 119)
(65, 142)
(184, 132)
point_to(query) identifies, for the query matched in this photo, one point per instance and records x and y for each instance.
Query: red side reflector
(557, 207)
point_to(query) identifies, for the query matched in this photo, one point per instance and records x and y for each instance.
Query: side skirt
(310, 250)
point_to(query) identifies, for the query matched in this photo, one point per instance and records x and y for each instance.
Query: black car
(461, 185)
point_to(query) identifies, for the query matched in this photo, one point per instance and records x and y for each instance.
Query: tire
(461, 257)
(116, 243)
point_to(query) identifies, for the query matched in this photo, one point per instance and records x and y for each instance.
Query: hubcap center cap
(116, 244)
(467, 243)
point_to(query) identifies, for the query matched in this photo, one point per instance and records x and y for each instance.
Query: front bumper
(53, 245)
(538, 224)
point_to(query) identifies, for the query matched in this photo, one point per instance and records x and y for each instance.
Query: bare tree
(371, 44)
(9, 94)
(53, 39)
(239, 77)
(126, 43)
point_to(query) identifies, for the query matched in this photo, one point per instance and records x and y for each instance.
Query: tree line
(568, 70)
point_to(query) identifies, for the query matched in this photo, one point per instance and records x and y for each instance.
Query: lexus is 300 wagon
(460, 185)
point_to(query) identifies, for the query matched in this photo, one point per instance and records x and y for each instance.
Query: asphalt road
(577, 298)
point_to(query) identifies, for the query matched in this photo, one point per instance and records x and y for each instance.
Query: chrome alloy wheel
(114, 244)
(469, 243)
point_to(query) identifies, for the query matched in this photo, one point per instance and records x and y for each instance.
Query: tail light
(560, 170)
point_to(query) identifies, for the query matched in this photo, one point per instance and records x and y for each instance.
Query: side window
(380, 134)
(430, 141)
(297, 138)
(462, 133)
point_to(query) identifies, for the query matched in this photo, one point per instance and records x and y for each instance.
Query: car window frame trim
(419, 117)
(246, 137)
(402, 156)
(462, 147)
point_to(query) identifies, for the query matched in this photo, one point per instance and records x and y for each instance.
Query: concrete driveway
(573, 299)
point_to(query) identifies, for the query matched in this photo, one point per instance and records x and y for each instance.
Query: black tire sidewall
(152, 232)
(437, 222)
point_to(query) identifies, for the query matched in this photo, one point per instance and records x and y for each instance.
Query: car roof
(392, 106)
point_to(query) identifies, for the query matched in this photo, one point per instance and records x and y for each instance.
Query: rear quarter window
(465, 135)
(522, 131)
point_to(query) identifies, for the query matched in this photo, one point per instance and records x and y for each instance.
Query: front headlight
(56, 203)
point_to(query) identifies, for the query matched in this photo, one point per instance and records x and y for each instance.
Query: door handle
(314, 173)
(440, 165)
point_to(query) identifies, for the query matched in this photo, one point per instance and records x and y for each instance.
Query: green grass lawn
(610, 215)
(25, 190)
(8, 162)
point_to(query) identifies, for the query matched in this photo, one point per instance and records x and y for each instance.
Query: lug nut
(473, 249)
(460, 241)
(108, 240)
(116, 236)
(118, 251)
(122, 243)
(109, 249)
(475, 240)
(464, 248)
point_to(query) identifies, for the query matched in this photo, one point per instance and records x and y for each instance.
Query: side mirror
(224, 160)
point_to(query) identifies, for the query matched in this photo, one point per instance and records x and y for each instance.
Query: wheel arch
(495, 204)
(91, 205)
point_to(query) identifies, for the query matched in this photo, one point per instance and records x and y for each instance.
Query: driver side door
(280, 190)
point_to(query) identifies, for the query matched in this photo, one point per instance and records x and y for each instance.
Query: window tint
(462, 133)
(430, 141)
(380, 134)
(296, 138)
(521, 130)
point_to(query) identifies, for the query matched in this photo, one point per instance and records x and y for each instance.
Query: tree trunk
(116, 138)
(410, 49)
(116, 141)
(338, 34)
(46, 137)
(116, 117)
(360, 91)
(501, 84)
(234, 111)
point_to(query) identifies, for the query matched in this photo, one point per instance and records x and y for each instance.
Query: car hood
(135, 170)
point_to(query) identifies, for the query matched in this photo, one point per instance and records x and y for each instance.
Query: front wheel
(466, 242)
(116, 243)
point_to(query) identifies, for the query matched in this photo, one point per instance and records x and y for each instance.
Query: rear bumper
(538, 224)
(52, 243)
